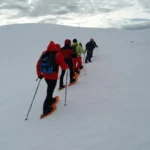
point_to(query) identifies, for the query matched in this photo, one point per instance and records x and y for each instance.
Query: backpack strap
(53, 61)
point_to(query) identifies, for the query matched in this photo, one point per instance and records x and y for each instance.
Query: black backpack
(74, 50)
(47, 63)
(80, 44)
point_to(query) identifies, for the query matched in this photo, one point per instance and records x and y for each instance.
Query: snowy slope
(108, 109)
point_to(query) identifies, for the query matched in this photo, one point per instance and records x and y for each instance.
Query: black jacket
(91, 45)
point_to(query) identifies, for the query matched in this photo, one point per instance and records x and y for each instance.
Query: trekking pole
(66, 90)
(32, 100)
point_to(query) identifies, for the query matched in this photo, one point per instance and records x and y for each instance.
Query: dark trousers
(89, 56)
(92, 53)
(70, 65)
(51, 84)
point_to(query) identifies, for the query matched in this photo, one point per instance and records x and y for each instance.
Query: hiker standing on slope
(77, 60)
(48, 67)
(67, 52)
(90, 47)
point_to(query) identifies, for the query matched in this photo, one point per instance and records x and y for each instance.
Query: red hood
(58, 46)
(52, 47)
(67, 42)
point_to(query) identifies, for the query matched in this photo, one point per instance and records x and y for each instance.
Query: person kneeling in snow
(48, 67)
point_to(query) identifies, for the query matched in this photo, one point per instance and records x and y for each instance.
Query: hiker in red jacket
(67, 52)
(48, 67)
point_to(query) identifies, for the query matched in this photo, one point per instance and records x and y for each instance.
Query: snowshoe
(62, 87)
(51, 109)
(73, 82)
(48, 112)
(56, 100)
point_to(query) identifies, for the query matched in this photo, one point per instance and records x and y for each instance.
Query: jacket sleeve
(60, 61)
(80, 49)
(86, 46)
(95, 44)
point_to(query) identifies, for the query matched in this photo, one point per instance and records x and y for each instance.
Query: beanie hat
(74, 40)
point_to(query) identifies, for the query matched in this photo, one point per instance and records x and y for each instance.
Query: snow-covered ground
(109, 107)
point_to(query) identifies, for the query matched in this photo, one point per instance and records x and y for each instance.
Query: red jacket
(59, 60)
(67, 51)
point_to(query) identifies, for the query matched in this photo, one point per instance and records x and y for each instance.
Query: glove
(40, 77)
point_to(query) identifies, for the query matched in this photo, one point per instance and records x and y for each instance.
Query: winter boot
(48, 110)
(81, 67)
(73, 81)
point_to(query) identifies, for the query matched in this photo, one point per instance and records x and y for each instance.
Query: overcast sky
(88, 13)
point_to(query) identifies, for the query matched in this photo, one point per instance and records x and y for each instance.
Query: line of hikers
(67, 57)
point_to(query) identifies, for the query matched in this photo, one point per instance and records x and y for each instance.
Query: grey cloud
(138, 26)
(61, 12)
(54, 8)
(72, 8)
(98, 10)
(121, 4)
(105, 10)
(69, 8)
(12, 4)
(19, 6)
(3, 4)
(60, 8)
(145, 4)
(16, 7)
(49, 20)
(54, 20)
(139, 19)
(103, 6)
